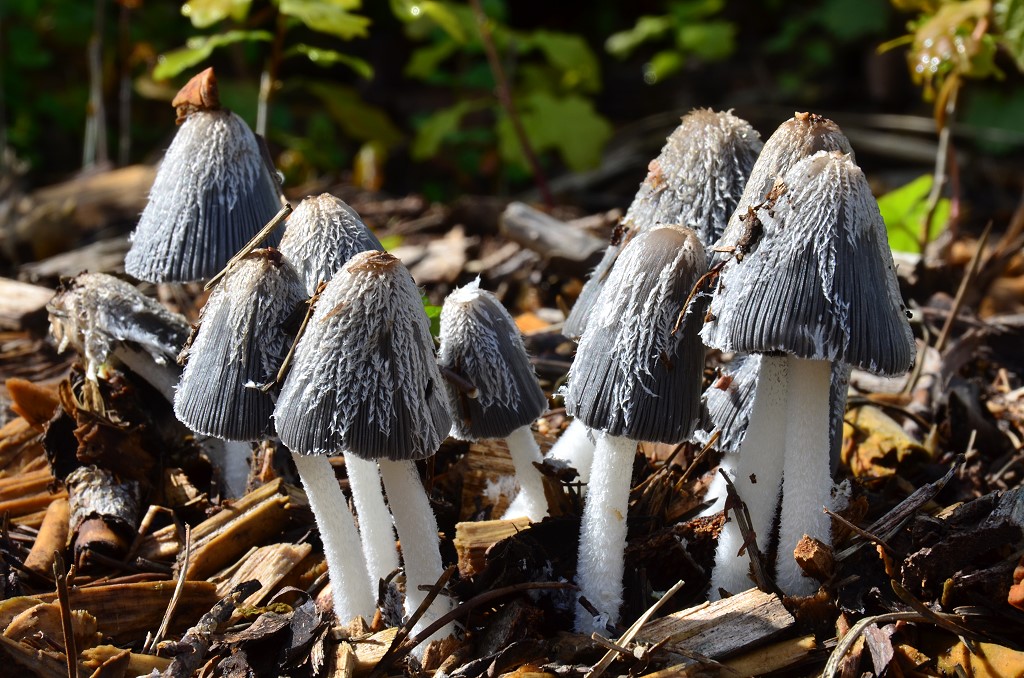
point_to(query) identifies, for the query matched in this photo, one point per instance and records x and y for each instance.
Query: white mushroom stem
(375, 528)
(350, 584)
(807, 482)
(756, 471)
(603, 533)
(576, 448)
(530, 502)
(417, 531)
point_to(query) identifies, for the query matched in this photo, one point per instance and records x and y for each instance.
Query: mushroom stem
(417, 531)
(375, 528)
(807, 482)
(350, 584)
(530, 501)
(603, 533)
(575, 447)
(756, 472)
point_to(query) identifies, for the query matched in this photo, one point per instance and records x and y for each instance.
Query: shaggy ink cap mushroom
(636, 376)
(242, 339)
(481, 343)
(364, 378)
(323, 233)
(212, 193)
(696, 181)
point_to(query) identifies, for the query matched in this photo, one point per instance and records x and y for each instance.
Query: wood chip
(22, 305)
(269, 565)
(472, 540)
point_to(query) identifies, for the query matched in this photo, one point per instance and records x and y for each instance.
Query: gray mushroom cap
(322, 234)
(728, 402)
(212, 193)
(94, 312)
(821, 285)
(696, 181)
(633, 376)
(481, 343)
(242, 340)
(364, 377)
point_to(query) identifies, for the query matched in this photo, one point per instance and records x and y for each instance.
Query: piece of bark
(342, 663)
(721, 628)
(814, 558)
(37, 403)
(107, 660)
(439, 260)
(22, 306)
(104, 512)
(52, 537)
(269, 565)
(556, 240)
(123, 609)
(472, 539)
(40, 627)
(488, 478)
(774, 657)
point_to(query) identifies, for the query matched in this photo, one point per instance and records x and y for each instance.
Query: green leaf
(328, 16)
(711, 40)
(904, 209)
(437, 127)
(647, 28)
(329, 57)
(390, 242)
(434, 314)
(1009, 19)
(199, 49)
(568, 124)
(571, 55)
(358, 119)
(205, 13)
(662, 65)
(849, 20)
(425, 61)
(442, 15)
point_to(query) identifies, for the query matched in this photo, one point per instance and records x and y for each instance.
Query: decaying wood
(102, 256)
(22, 305)
(272, 566)
(25, 497)
(774, 657)
(723, 627)
(472, 539)
(488, 478)
(104, 511)
(550, 237)
(53, 536)
(108, 660)
(371, 649)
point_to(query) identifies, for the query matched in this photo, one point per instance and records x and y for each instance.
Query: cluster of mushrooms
(775, 254)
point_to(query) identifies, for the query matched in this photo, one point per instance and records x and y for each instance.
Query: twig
(627, 637)
(287, 362)
(70, 650)
(172, 605)
(969, 275)
(252, 244)
(742, 517)
(942, 159)
(700, 457)
(504, 93)
(832, 666)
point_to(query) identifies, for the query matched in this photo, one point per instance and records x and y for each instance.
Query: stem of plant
(375, 528)
(269, 76)
(943, 159)
(504, 92)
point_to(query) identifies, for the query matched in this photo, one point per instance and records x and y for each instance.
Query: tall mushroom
(481, 343)
(820, 288)
(212, 193)
(636, 376)
(364, 380)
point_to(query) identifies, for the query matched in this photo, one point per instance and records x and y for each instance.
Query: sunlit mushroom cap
(802, 135)
(696, 181)
(212, 193)
(633, 376)
(481, 343)
(94, 312)
(728, 402)
(322, 234)
(364, 377)
(821, 285)
(242, 340)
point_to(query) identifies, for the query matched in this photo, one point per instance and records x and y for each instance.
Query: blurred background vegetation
(445, 97)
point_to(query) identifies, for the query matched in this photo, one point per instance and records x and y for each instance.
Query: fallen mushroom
(481, 343)
(636, 377)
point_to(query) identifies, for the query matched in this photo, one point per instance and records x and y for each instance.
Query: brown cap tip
(199, 94)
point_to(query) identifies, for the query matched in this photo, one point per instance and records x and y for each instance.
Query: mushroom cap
(802, 135)
(95, 311)
(696, 181)
(211, 195)
(632, 375)
(322, 234)
(364, 377)
(481, 343)
(821, 285)
(241, 342)
(728, 402)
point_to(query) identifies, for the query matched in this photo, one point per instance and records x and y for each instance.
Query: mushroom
(242, 339)
(481, 343)
(212, 193)
(636, 376)
(695, 181)
(820, 288)
(364, 380)
(322, 234)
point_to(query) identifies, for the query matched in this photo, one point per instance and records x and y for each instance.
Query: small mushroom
(481, 343)
(819, 289)
(212, 193)
(364, 380)
(636, 377)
